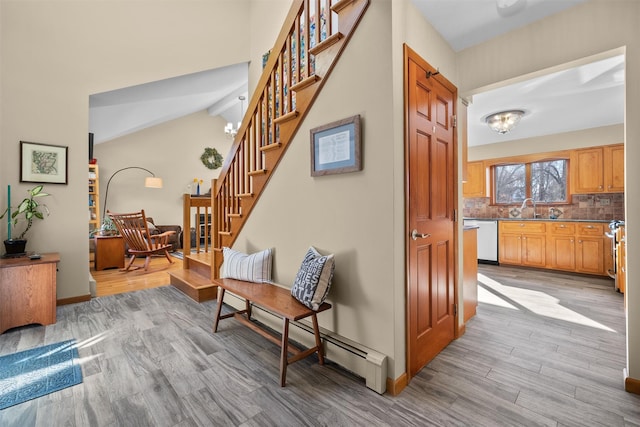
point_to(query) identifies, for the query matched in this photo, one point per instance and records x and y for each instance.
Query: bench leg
(247, 305)
(284, 355)
(316, 333)
(218, 309)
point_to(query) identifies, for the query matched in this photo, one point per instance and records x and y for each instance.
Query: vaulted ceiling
(122, 111)
(582, 97)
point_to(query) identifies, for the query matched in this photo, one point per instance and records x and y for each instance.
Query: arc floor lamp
(150, 182)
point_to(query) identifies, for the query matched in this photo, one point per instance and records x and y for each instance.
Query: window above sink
(545, 182)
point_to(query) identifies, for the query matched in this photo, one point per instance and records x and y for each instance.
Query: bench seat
(279, 301)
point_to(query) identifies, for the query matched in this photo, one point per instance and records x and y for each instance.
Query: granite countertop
(606, 221)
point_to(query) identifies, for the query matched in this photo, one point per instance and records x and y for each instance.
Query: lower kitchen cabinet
(590, 255)
(580, 247)
(522, 243)
(562, 252)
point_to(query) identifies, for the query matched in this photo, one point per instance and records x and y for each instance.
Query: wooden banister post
(216, 253)
(186, 227)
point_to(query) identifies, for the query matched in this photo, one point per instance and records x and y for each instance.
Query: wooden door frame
(409, 53)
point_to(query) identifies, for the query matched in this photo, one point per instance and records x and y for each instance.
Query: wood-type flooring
(544, 349)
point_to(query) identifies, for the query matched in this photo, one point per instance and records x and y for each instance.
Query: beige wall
(350, 215)
(56, 53)
(561, 141)
(154, 148)
(588, 29)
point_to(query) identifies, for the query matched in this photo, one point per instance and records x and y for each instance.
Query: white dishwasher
(487, 239)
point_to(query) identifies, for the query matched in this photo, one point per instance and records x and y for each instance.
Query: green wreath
(211, 158)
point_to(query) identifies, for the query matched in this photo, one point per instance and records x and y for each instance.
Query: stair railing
(290, 81)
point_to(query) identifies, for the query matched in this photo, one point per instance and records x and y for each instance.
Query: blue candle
(9, 211)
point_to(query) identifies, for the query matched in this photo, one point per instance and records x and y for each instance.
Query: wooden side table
(109, 252)
(28, 291)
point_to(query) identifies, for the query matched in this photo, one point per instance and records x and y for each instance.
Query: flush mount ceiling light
(508, 8)
(504, 121)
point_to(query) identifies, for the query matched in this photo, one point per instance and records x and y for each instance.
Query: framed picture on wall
(336, 147)
(43, 163)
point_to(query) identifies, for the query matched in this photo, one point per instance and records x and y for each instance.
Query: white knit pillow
(250, 268)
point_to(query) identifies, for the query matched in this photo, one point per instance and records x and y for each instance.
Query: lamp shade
(504, 121)
(153, 182)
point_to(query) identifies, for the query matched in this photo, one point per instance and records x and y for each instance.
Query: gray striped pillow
(250, 268)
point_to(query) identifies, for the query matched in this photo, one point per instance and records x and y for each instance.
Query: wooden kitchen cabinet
(621, 260)
(561, 249)
(614, 168)
(598, 170)
(579, 247)
(476, 183)
(590, 255)
(522, 243)
(591, 248)
(470, 273)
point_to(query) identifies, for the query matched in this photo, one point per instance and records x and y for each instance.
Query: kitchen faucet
(524, 205)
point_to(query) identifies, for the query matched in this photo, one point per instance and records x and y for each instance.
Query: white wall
(56, 53)
(588, 29)
(171, 151)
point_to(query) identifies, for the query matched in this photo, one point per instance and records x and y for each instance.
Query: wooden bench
(279, 301)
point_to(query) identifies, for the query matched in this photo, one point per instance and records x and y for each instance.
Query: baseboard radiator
(356, 358)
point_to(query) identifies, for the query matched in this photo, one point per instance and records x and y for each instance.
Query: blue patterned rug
(39, 371)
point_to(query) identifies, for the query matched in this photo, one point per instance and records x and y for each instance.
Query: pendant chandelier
(231, 131)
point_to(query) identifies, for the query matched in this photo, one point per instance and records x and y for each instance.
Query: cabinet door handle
(590, 226)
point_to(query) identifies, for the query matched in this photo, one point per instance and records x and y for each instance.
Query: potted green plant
(28, 210)
(108, 228)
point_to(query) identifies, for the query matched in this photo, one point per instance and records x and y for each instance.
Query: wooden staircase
(313, 37)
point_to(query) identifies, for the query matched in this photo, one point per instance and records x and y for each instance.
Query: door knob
(415, 235)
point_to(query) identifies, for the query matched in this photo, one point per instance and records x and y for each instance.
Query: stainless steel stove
(614, 235)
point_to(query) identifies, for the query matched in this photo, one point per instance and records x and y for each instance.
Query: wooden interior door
(430, 205)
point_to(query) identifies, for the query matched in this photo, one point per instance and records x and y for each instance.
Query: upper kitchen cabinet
(475, 186)
(598, 170)
(614, 168)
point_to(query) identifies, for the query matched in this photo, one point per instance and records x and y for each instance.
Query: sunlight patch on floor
(537, 302)
(490, 298)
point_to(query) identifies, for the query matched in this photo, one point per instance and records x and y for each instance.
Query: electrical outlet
(605, 202)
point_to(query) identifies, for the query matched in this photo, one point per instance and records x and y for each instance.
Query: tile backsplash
(604, 206)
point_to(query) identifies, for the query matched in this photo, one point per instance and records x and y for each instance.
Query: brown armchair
(175, 240)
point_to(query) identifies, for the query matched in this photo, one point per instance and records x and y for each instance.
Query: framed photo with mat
(336, 147)
(43, 163)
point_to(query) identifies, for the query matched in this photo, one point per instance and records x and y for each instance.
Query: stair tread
(195, 280)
